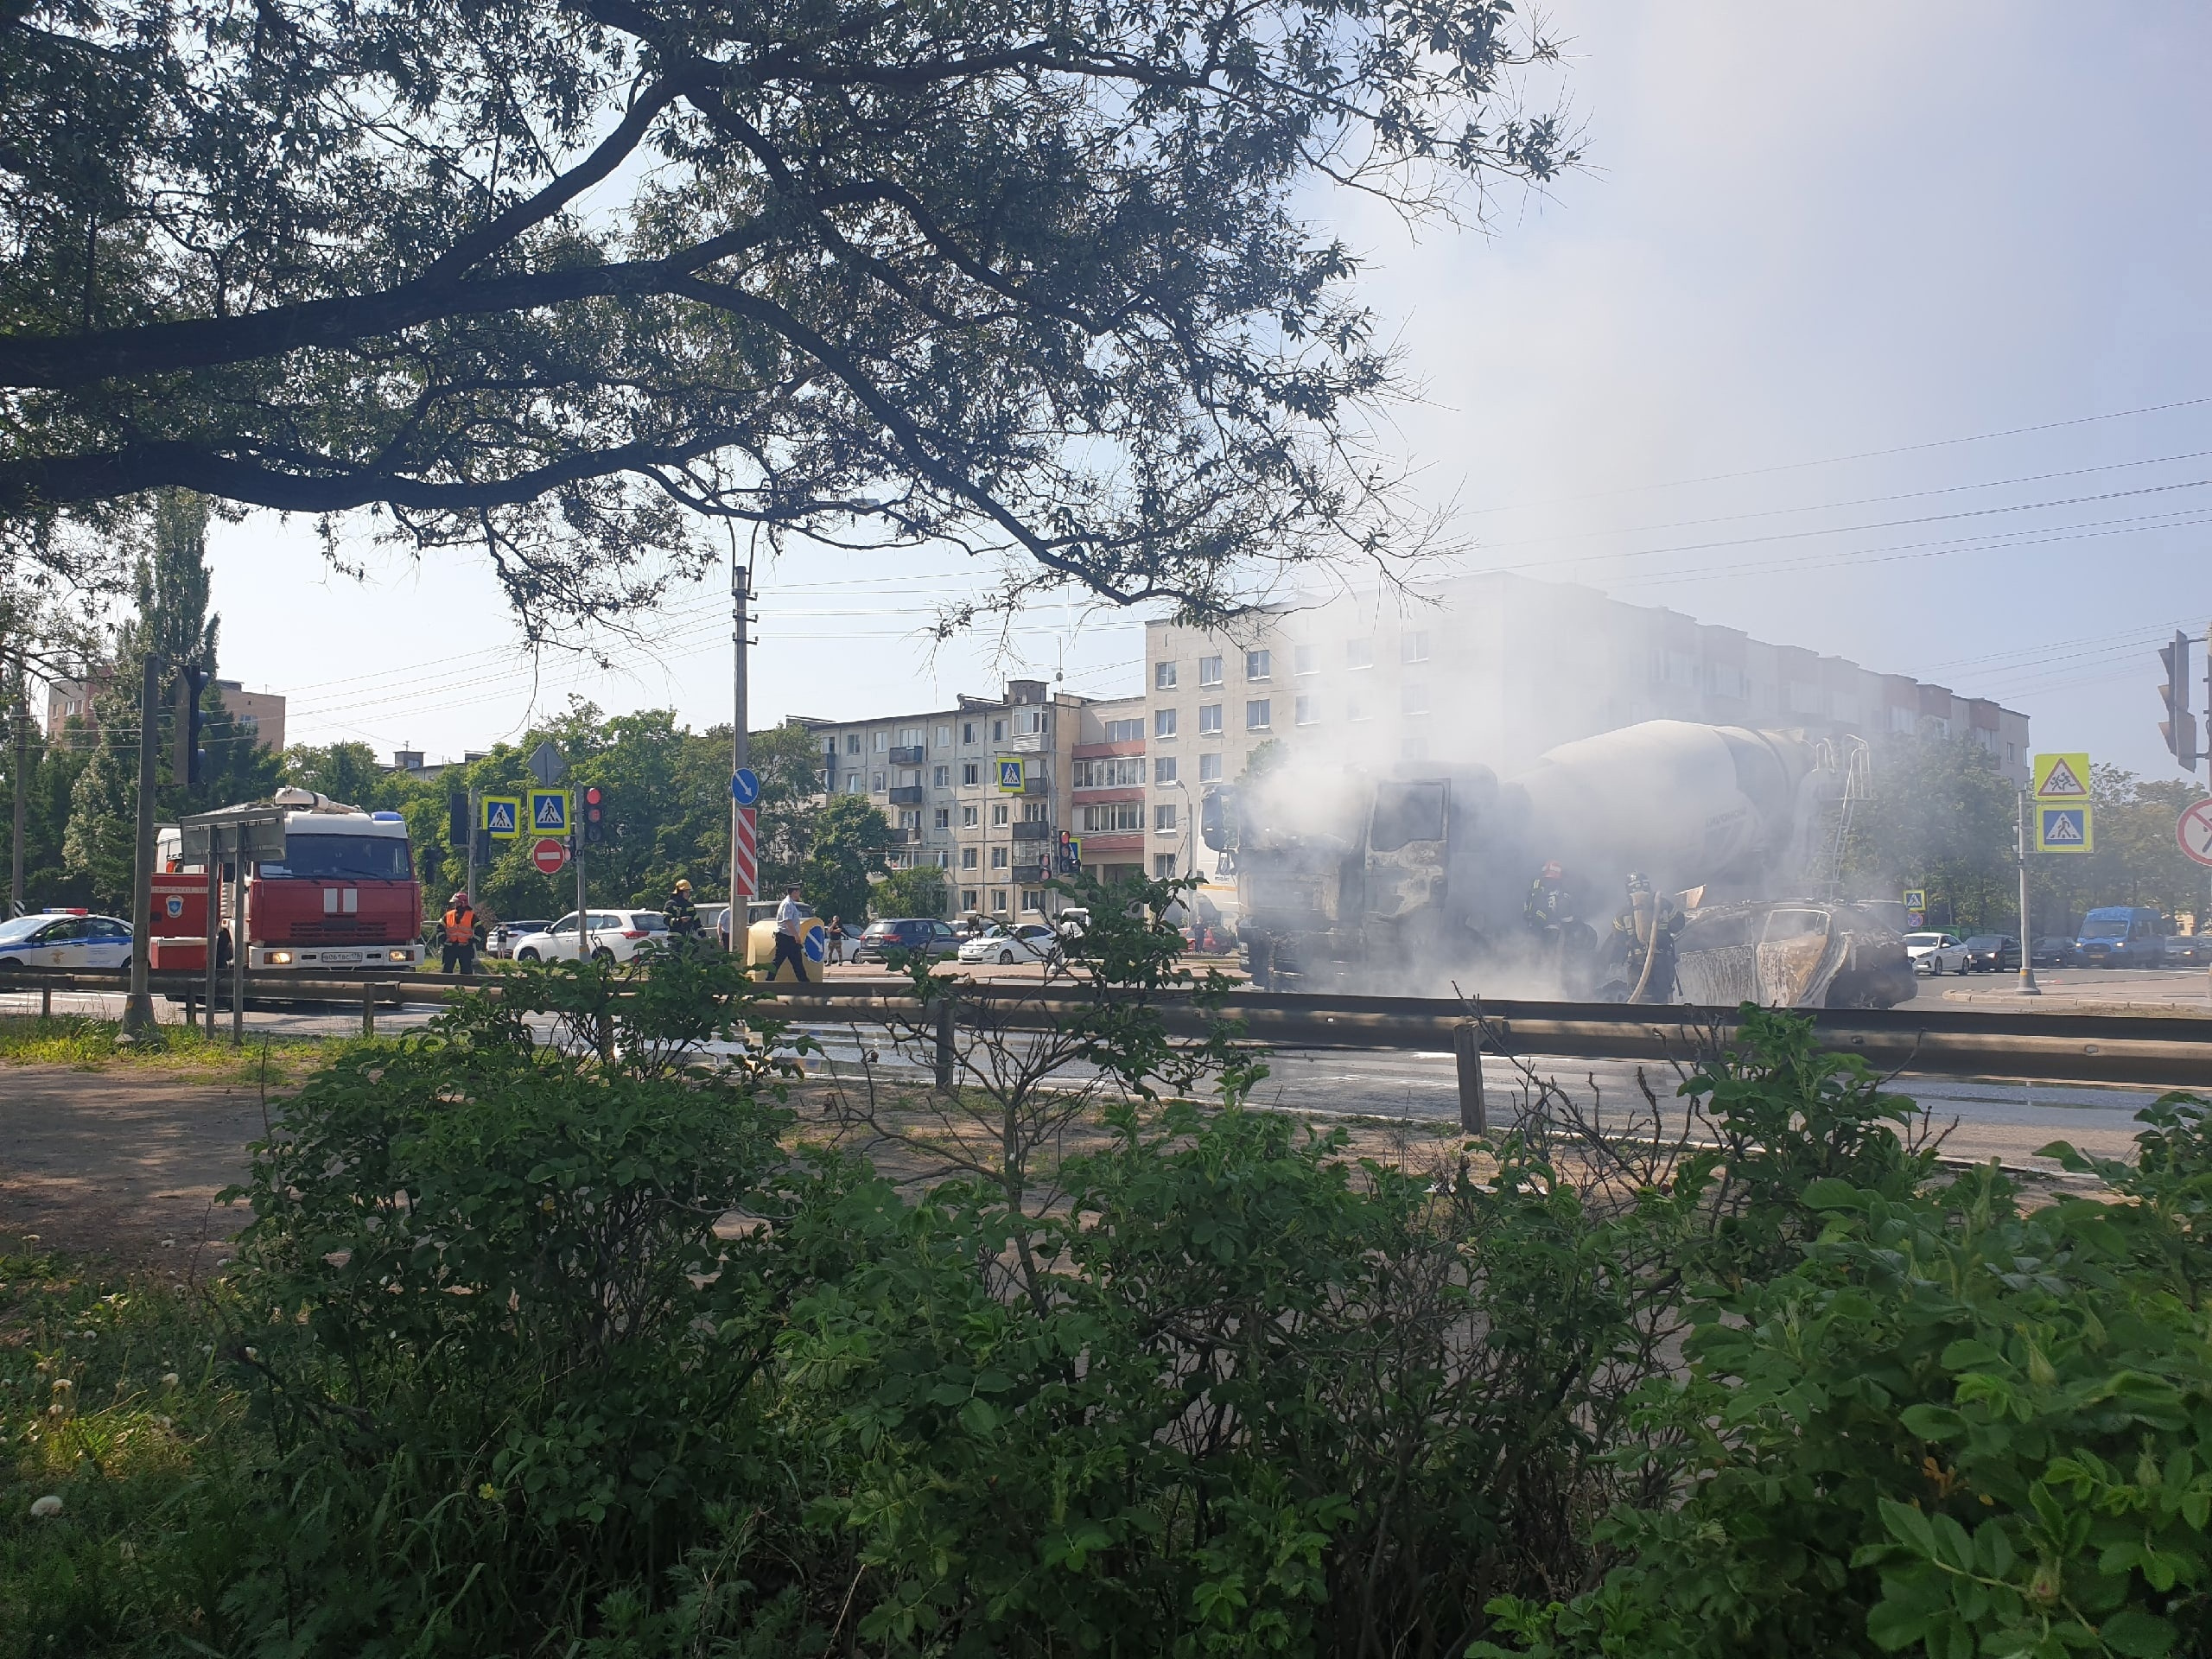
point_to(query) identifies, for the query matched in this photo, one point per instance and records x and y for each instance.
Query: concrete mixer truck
(1431, 875)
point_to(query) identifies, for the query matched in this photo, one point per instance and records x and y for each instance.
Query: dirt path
(111, 1164)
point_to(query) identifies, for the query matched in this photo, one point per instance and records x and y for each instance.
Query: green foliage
(919, 890)
(1944, 818)
(845, 839)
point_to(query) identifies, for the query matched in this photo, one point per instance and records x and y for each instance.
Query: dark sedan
(1993, 953)
(2055, 950)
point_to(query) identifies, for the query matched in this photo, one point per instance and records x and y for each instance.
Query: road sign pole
(740, 747)
(138, 1011)
(2028, 986)
(576, 852)
(475, 823)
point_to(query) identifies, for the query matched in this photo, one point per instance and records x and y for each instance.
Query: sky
(1876, 329)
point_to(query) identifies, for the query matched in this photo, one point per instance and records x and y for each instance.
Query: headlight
(402, 955)
(279, 958)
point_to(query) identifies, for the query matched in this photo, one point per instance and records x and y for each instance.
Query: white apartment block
(1495, 668)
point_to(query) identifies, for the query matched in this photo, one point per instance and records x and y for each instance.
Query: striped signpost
(745, 869)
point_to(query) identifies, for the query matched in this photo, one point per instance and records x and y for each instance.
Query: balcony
(1032, 832)
(913, 795)
(1026, 743)
(910, 756)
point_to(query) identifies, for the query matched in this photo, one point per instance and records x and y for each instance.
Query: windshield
(343, 858)
(1923, 938)
(2105, 927)
(1983, 942)
(1407, 812)
(23, 926)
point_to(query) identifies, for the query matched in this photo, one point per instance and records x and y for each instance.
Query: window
(1359, 654)
(1163, 677)
(1209, 720)
(1163, 722)
(1114, 772)
(1035, 811)
(941, 776)
(875, 783)
(968, 860)
(910, 818)
(1259, 715)
(967, 898)
(1258, 665)
(998, 731)
(1728, 681)
(1163, 770)
(1125, 731)
(944, 737)
(1163, 819)
(1413, 647)
(1404, 813)
(882, 741)
(971, 771)
(1355, 708)
(1209, 670)
(910, 737)
(1210, 768)
(944, 860)
(1033, 898)
(1305, 659)
(1163, 866)
(852, 742)
(1029, 722)
(998, 899)
(1306, 711)
(966, 731)
(998, 858)
(998, 814)
(1112, 817)
(1901, 719)
(942, 818)
(968, 818)
(1804, 699)
(1412, 698)
(852, 783)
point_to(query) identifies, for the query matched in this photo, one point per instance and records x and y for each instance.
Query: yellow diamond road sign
(2062, 778)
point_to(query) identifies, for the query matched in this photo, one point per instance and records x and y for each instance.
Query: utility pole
(19, 781)
(138, 1011)
(475, 813)
(2028, 986)
(741, 750)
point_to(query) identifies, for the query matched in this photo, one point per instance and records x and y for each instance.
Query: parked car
(607, 935)
(1030, 942)
(2191, 950)
(913, 934)
(1935, 953)
(1993, 953)
(2121, 936)
(68, 939)
(505, 935)
(2054, 950)
(714, 923)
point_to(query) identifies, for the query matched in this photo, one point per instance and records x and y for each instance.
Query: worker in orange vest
(460, 935)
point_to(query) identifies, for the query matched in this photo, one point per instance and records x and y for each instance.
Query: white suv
(609, 935)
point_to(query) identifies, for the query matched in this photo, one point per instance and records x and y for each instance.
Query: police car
(65, 938)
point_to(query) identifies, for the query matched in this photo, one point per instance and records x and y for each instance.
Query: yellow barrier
(813, 940)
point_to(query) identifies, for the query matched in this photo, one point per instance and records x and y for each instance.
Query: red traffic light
(591, 797)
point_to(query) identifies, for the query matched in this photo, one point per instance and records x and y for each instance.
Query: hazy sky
(1879, 329)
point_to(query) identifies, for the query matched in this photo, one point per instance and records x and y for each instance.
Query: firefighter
(1551, 902)
(458, 932)
(682, 916)
(1642, 950)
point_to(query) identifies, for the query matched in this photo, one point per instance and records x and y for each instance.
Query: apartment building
(1498, 668)
(939, 776)
(260, 715)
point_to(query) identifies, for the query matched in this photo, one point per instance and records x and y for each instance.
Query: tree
(1020, 275)
(344, 772)
(172, 620)
(1942, 817)
(844, 849)
(920, 890)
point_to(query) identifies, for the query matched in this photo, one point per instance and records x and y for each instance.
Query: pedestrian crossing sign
(502, 819)
(1010, 777)
(2062, 778)
(1916, 898)
(2063, 829)
(549, 811)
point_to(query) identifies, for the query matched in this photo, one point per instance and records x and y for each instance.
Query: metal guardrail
(2143, 1050)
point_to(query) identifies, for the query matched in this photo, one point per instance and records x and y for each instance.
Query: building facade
(260, 714)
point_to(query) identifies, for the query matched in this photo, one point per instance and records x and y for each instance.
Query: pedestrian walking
(837, 939)
(789, 921)
(458, 930)
(682, 916)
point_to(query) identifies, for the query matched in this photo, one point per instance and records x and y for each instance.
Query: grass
(93, 1045)
(112, 1400)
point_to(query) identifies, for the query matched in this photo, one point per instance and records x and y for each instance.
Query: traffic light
(594, 814)
(2179, 727)
(457, 819)
(190, 762)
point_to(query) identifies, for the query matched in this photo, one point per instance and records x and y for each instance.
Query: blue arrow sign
(745, 787)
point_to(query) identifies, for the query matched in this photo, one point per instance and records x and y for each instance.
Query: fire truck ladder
(1858, 786)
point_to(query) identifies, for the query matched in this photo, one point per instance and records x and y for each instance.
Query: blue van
(2121, 936)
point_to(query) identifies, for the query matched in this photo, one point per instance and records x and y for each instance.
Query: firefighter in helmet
(1551, 901)
(682, 916)
(458, 933)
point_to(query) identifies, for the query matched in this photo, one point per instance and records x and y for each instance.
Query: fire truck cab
(343, 896)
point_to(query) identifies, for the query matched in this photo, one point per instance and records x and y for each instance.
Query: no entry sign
(2195, 831)
(549, 854)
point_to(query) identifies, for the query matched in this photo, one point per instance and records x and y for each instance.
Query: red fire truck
(342, 897)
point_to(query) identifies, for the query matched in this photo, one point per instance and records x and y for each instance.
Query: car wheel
(1006, 959)
(525, 956)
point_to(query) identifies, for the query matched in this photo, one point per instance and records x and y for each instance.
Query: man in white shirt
(789, 920)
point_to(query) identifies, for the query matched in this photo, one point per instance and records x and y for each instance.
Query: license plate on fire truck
(341, 956)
